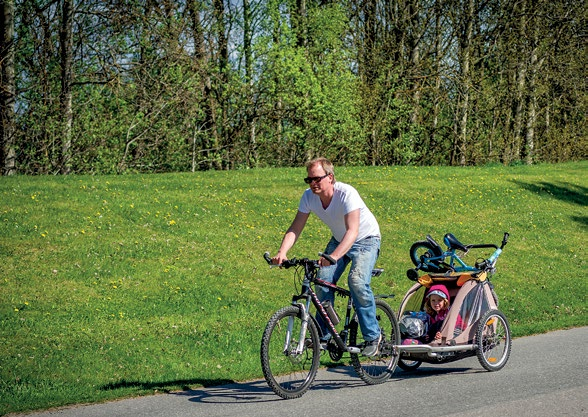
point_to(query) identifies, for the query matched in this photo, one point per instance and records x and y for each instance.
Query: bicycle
(428, 256)
(291, 347)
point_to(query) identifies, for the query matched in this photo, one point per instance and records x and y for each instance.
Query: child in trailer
(437, 307)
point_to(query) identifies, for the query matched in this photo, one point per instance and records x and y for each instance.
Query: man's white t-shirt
(345, 200)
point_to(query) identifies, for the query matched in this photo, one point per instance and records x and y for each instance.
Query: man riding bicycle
(355, 239)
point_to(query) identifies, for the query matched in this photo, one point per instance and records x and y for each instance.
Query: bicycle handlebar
(327, 257)
(294, 262)
(267, 257)
(489, 263)
(504, 240)
(489, 245)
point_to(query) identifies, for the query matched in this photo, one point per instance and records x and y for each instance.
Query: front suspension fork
(303, 328)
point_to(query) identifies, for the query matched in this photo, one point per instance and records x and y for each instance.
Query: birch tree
(7, 89)
(65, 98)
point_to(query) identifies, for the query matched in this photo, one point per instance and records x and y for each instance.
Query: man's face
(320, 180)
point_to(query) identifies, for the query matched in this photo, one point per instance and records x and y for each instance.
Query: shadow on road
(165, 385)
(334, 378)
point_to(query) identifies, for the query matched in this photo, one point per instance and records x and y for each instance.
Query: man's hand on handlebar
(326, 260)
(279, 259)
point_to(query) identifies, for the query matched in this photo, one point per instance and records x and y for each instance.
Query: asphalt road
(545, 376)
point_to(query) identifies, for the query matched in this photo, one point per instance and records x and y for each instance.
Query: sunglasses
(310, 180)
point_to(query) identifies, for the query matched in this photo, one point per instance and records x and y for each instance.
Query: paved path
(545, 377)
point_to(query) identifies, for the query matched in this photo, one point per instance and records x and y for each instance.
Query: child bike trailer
(473, 326)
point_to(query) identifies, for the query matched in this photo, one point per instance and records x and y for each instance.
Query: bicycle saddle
(452, 243)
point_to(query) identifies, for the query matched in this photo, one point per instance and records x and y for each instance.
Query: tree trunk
(465, 80)
(534, 66)
(437, 75)
(252, 156)
(521, 79)
(415, 58)
(301, 32)
(529, 147)
(207, 130)
(415, 68)
(65, 99)
(7, 89)
(222, 137)
(368, 73)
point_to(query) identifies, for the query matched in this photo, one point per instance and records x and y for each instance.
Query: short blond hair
(324, 163)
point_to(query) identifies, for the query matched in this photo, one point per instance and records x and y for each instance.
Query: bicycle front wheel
(379, 368)
(289, 370)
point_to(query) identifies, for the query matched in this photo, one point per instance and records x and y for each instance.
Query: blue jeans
(363, 256)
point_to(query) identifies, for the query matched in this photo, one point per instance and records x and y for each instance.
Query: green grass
(115, 286)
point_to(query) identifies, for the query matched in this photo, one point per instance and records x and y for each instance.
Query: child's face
(437, 302)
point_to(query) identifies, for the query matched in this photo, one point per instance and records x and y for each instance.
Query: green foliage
(159, 88)
(114, 286)
(332, 124)
(315, 89)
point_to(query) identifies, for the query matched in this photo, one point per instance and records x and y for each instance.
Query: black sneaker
(372, 348)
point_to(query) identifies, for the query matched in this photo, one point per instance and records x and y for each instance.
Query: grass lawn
(115, 286)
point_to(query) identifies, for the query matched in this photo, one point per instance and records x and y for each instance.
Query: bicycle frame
(453, 259)
(310, 297)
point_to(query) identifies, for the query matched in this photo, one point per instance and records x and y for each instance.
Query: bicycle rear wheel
(289, 373)
(408, 365)
(423, 250)
(379, 368)
(493, 340)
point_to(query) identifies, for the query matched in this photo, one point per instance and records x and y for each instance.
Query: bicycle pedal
(353, 349)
